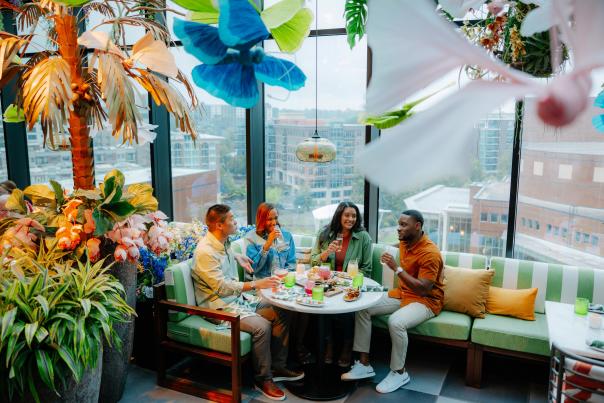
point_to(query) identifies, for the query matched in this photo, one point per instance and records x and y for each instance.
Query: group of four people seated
(418, 297)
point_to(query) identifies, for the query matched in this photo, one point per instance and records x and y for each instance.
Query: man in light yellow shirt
(217, 286)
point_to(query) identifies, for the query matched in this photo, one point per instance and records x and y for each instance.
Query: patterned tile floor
(437, 375)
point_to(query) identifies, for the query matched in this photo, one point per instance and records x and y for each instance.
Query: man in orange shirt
(418, 298)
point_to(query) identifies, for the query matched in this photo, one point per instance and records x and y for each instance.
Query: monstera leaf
(355, 13)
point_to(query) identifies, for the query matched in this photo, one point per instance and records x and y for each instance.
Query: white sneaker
(358, 371)
(393, 381)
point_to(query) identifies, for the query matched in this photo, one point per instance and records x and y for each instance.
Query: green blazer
(359, 248)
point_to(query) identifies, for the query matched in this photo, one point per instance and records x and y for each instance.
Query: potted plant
(54, 316)
(110, 221)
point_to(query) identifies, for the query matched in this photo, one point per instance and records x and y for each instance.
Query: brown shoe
(285, 374)
(269, 389)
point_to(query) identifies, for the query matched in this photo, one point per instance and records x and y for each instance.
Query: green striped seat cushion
(555, 282)
(447, 325)
(512, 334)
(466, 260)
(179, 287)
(199, 332)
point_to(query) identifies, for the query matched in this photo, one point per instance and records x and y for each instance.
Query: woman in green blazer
(355, 244)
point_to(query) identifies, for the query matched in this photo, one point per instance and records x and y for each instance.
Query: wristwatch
(253, 285)
(399, 270)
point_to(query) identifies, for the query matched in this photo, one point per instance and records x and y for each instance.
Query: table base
(321, 382)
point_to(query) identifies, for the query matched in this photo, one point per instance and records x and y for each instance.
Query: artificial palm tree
(69, 93)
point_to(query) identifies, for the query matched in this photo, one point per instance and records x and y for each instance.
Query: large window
(46, 164)
(467, 213)
(307, 193)
(561, 190)
(213, 168)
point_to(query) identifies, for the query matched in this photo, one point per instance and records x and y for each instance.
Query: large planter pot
(115, 361)
(144, 335)
(85, 391)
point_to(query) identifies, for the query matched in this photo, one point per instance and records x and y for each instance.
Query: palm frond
(53, 7)
(101, 8)
(164, 94)
(97, 113)
(185, 81)
(158, 31)
(30, 14)
(118, 93)
(47, 94)
(9, 47)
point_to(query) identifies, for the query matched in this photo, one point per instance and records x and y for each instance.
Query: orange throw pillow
(517, 303)
(466, 290)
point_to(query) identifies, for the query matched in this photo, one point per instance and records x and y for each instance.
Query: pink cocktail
(324, 272)
(308, 287)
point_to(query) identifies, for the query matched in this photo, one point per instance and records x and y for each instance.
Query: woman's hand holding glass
(332, 248)
(267, 282)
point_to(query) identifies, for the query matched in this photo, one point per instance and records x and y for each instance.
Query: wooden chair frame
(234, 359)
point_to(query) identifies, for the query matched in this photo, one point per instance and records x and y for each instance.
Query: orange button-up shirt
(422, 261)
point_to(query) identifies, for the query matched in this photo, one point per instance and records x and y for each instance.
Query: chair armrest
(195, 310)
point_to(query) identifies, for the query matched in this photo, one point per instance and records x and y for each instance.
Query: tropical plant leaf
(14, 114)
(117, 175)
(30, 14)
(355, 13)
(141, 197)
(158, 30)
(41, 195)
(120, 210)
(59, 196)
(102, 223)
(45, 368)
(70, 361)
(43, 303)
(30, 332)
(164, 94)
(16, 202)
(47, 94)
(118, 94)
(7, 322)
(86, 304)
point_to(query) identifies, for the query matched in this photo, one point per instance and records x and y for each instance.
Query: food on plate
(343, 274)
(352, 294)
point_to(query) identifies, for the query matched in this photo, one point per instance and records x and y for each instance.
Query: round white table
(322, 381)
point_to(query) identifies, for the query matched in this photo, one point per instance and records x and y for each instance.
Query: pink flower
(120, 254)
(133, 253)
(496, 6)
(94, 252)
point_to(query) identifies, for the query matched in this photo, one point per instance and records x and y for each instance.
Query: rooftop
(547, 251)
(578, 147)
(440, 198)
(495, 191)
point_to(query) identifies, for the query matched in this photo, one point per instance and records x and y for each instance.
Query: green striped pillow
(555, 282)
(179, 287)
(306, 241)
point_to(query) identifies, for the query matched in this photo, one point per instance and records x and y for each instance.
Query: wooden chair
(181, 327)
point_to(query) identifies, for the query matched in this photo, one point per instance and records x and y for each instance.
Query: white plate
(305, 302)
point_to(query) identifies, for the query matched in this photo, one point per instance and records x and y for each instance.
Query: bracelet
(253, 284)
(399, 270)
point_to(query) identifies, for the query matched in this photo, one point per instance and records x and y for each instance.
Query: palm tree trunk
(81, 144)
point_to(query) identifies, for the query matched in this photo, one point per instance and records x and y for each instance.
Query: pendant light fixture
(316, 148)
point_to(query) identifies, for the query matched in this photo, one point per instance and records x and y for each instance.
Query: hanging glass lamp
(316, 148)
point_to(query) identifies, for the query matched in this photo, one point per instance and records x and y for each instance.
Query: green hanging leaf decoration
(14, 114)
(393, 118)
(355, 12)
(290, 35)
